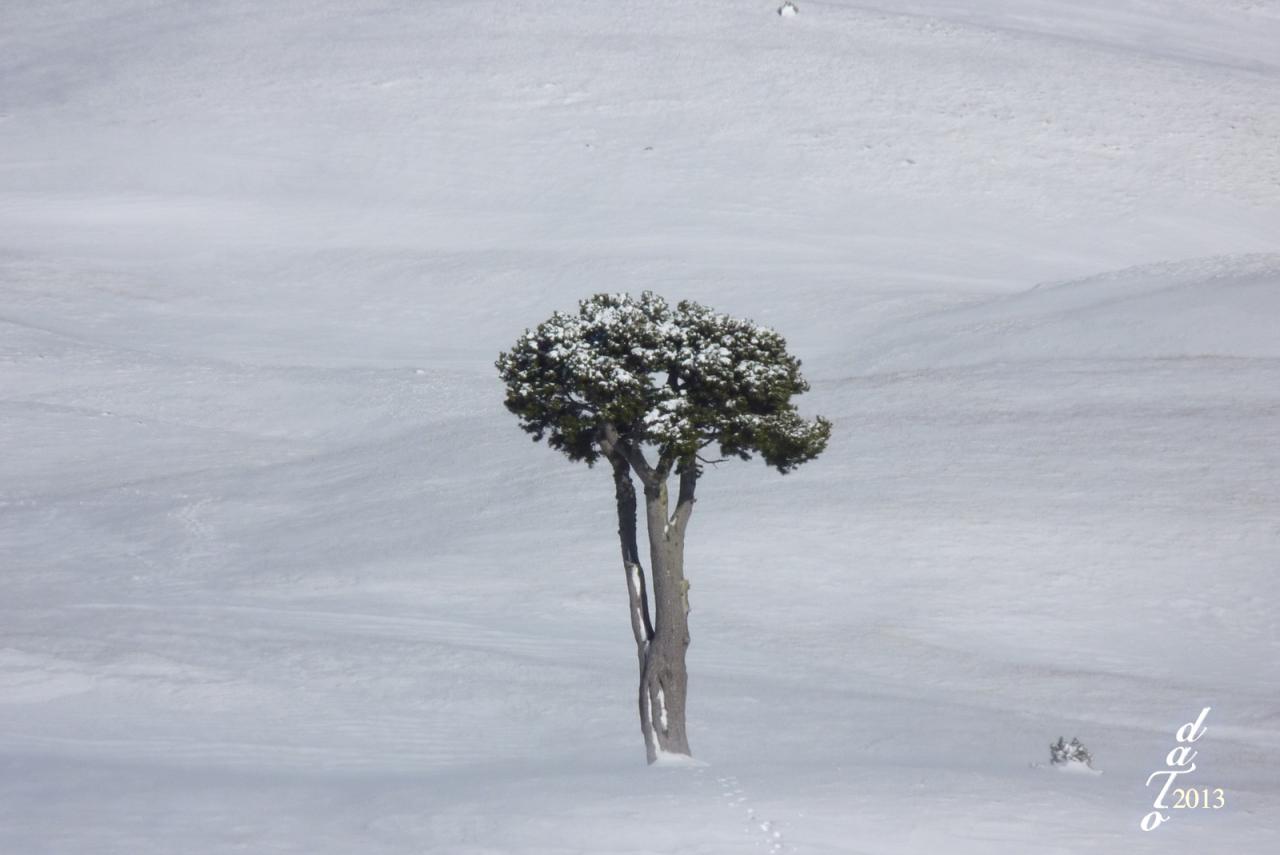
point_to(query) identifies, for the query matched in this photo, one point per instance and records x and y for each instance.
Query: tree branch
(662, 471)
(684, 503)
(641, 625)
(613, 443)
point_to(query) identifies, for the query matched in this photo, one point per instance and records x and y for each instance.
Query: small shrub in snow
(1063, 753)
(788, 9)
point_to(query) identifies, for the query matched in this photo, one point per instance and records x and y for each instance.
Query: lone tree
(648, 387)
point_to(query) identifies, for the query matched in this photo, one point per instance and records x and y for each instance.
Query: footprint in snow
(765, 830)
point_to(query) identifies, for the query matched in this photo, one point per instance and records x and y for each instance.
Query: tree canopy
(678, 379)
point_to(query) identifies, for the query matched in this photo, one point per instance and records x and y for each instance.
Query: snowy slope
(1217, 307)
(282, 576)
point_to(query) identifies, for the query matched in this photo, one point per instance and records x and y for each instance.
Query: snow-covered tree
(651, 388)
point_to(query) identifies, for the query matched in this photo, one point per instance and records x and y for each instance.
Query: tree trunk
(664, 678)
(662, 642)
(641, 627)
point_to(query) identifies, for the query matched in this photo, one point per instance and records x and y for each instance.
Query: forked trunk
(664, 679)
(661, 642)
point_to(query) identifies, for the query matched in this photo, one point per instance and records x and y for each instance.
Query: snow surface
(281, 575)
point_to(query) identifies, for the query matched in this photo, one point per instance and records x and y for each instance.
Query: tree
(648, 387)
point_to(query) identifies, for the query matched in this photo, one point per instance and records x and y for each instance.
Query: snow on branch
(674, 377)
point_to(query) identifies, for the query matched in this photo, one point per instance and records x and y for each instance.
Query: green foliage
(680, 379)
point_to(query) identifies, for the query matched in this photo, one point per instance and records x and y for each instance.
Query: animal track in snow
(764, 830)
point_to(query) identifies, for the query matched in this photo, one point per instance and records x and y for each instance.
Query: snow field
(282, 576)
